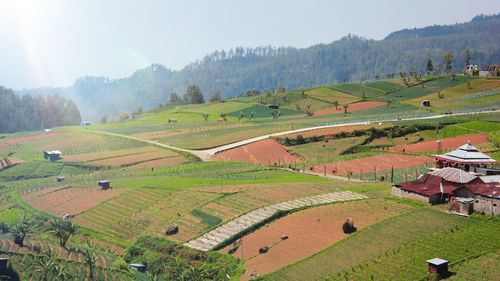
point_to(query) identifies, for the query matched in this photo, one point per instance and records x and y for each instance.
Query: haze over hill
(235, 71)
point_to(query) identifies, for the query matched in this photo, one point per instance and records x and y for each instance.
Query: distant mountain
(235, 71)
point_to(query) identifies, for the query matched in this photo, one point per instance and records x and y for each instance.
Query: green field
(197, 196)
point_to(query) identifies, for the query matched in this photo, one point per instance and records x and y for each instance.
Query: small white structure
(85, 123)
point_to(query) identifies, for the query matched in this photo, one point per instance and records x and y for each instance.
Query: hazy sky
(52, 43)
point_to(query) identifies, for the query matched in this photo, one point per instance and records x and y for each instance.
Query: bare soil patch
(447, 143)
(168, 161)
(308, 232)
(352, 108)
(72, 200)
(131, 159)
(384, 162)
(84, 157)
(265, 152)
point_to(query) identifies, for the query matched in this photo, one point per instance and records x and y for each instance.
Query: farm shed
(53, 155)
(426, 103)
(437, 265)
(464, 191)
(486, 197)
(103, 184)
(467, 157)
(138, 267)
(3, 265)
(427, 188)
(462, 206)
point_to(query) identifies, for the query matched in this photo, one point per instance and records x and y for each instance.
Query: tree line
(351, 58)
(27, 113)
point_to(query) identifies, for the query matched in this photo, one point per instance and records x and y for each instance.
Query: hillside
(300, 184)
(234, 72)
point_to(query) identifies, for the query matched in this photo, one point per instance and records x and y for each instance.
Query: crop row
(371, 241)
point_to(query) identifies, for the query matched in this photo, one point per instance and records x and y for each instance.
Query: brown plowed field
(72, 200)
(383, 162)
(84, 157)
(130, 159)
(309, 231)
(352, 108)
(30, 138)
(265, 152)
(447, 143)
(168, 161)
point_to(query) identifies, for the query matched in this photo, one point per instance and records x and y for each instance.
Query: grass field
(409, 261)
(154, 188)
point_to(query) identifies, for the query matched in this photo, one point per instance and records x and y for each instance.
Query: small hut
(438, 266)
(60, 178)
(138, 267)
(461, 206)
(103, 184)
(53, 155)
(3, 265)
(426, 103)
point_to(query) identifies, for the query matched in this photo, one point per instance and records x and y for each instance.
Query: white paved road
(206, 155)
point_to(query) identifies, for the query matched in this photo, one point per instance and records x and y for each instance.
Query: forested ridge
(235, 71)
(25, 113)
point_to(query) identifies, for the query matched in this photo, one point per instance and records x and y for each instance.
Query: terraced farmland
(370, 242)
(225, 232)
(69, 200)
(308, 231)
(147, 210)
(409, 262)
(331, 95)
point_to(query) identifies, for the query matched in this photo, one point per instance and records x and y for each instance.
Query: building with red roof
(463, 191)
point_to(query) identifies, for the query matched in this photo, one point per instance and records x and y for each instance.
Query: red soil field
(382, 162)
(447, 143)
(13, 161)
(30, 138)
(131, 159)
(308, 232)
(84, 157)
(168, 161)
(265, 152)
(352, 108)
(72, 200)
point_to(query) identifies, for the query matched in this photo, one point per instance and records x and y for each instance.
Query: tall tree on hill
(216, 97)
(467, 56)
(429, 67)
(174, 99)
(346, 106)
(193, 95)
(448, 60)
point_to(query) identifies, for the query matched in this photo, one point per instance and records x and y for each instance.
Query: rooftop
(437, 261)
(454, 175)
(467, 153)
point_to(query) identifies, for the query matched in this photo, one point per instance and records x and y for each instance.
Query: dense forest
(233, 72)
(28, 114)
